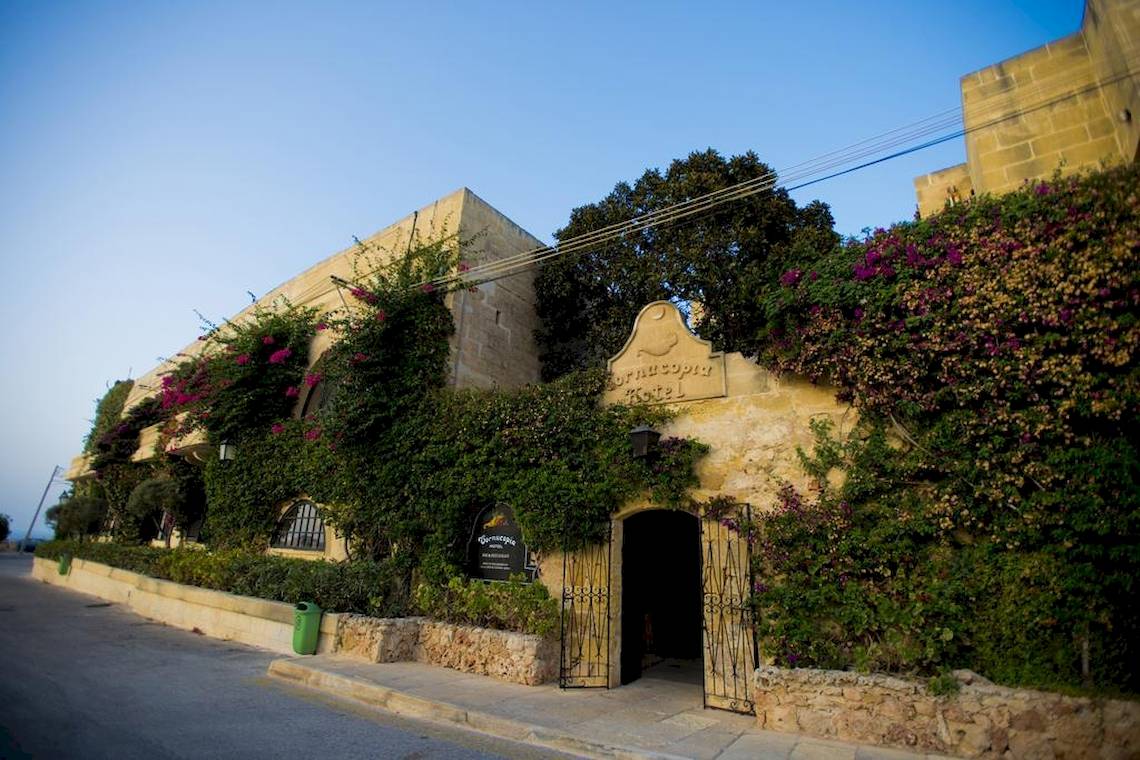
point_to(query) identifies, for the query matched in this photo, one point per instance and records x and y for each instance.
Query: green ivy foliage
(120, 441)
(991, 514)
(399, 462)
(403, 465)
(108, 410)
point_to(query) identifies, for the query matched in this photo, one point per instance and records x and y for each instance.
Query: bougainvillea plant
(246, 377)
(995, 346)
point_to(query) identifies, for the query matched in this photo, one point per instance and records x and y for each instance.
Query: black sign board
(497, 551)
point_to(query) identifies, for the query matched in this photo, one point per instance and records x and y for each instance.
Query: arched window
(318, 398)
(301, 527)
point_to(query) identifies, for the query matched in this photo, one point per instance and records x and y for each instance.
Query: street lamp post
(54, 471)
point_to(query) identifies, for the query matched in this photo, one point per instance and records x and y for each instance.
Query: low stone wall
(982, 720)
(515, 657)
(259, 622)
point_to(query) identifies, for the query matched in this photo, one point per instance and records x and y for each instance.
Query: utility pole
(56, 470)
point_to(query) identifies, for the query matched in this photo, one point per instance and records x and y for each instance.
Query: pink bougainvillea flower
(321, 326)
(312, 434)
(791, 277)
(427, 287)
(358, 357)
(464, 266)
(381, 316)
(277, 428)
(313, 378)
(267, 340)
(243, 359)
(279, 356)
(363, 295)
(292, 391)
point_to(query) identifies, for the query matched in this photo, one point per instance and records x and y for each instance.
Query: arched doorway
(661, 618)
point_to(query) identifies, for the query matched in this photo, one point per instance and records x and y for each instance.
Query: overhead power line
(803, 171)
(886, 146)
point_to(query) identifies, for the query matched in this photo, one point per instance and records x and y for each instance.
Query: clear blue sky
(157, 158)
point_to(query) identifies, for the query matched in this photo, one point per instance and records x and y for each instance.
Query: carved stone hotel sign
(664, 363)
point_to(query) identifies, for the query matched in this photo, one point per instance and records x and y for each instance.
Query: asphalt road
(80, 678)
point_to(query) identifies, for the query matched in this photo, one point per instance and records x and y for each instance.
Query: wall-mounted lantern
(643, 441)
(227, 451)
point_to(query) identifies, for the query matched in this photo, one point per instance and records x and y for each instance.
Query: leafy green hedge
(510, 606)
(364, 587)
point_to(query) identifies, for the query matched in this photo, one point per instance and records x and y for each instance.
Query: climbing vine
(991, 513)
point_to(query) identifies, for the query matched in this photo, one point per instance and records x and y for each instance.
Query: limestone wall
(493, 345)
(982, 720)
(944, 187)
(515, 657)
(1091, 81)
(753, 432)
(494, 342)
(259, 622)
(1111, 29)
(1072, 134)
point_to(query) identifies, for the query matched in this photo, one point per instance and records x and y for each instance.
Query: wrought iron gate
(729, 626)
(585, 659)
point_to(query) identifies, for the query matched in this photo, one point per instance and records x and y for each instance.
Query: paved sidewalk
(654, 717)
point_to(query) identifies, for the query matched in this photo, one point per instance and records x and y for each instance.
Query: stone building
(493, 344)
(751, 420)
(1069, 105)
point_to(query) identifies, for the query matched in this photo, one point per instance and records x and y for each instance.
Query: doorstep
(651, 718)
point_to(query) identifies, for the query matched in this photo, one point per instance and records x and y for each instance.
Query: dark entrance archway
(661, 591)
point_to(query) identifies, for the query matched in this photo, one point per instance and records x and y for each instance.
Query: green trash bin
(64, 564)
(306, 627)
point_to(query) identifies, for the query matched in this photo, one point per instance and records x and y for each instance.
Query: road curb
(296, 671)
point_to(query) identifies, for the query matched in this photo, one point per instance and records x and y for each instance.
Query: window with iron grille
(300, 527)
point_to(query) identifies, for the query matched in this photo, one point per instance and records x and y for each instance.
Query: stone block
(1028, 745)
(1093, 153)
(1006, 156)
(1028, 720)
(1064, 138)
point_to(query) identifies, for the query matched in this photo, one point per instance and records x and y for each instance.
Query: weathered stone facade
(753, 426)
(1075, 104)
(982, 720)
(494, 341)
(509, 656)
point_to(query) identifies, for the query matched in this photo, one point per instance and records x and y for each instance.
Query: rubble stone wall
(509, 656)
(981, 720)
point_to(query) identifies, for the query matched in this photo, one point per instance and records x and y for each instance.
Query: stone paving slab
(650, 718)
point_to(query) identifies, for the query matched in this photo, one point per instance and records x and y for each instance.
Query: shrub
(511, 606)
(77, 516)
(990, 518)
(366, 588)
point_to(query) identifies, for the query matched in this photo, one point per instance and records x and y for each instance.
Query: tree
(175, 494)
(77, 515)
(721, 259)
(148, 504)
(5, 527)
